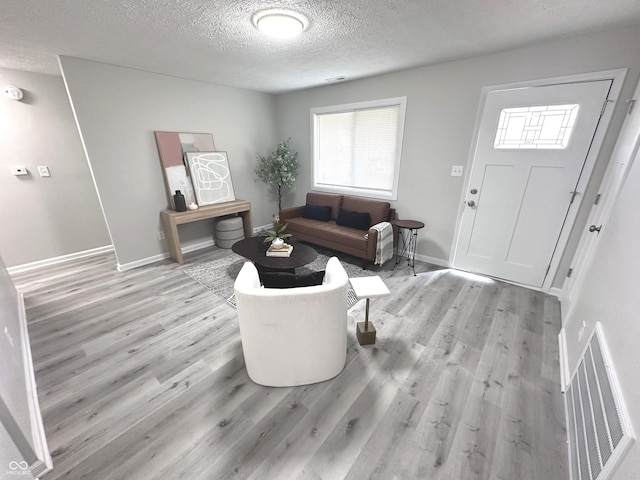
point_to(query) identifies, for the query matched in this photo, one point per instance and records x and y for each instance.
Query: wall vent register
(597, 426)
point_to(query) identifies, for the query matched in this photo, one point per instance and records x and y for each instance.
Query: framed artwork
(172, 147)
(211, 177)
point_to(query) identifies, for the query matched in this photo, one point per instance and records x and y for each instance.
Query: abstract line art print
(211, 177)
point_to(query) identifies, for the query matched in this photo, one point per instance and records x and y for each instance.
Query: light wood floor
(141, 376)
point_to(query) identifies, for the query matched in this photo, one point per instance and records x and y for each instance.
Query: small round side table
(409, 234)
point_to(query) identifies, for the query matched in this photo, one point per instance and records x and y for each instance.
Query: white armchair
(293, 336)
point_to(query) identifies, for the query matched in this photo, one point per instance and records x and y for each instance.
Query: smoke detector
(14, 93)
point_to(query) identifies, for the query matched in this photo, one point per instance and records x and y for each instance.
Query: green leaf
(279, 168)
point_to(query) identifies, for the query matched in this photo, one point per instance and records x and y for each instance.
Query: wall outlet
(19, 170)
(44, 171)
(456, 170)
(160, 235)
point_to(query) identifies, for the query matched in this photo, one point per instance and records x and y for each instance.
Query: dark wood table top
(413, 224)
(255, 248)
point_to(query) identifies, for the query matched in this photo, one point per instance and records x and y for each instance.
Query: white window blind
(357, 147)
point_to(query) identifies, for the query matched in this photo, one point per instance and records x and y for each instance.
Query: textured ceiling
(215, 41)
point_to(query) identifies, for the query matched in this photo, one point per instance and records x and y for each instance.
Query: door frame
(625, 152)
(617, 77)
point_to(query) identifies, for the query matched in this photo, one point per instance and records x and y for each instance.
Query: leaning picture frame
(172, 147)
(211, 177)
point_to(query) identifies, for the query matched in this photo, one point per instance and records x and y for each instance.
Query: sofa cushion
(317, 212)
(359, 220)
(290, 280)
(311, 230)
(326, 199)
(378, 209)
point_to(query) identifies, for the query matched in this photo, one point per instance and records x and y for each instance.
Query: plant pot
(277, 242)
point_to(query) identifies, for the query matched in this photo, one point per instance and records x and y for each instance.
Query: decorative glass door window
(547, 126)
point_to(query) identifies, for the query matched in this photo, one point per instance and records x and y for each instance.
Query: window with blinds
(357, 147)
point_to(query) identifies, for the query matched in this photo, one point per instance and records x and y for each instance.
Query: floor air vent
(597, 428)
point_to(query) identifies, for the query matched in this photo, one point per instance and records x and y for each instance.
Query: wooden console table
(171, 219)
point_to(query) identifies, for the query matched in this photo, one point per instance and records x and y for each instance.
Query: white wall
(22, 436)
(12, 368)
(442, 105)
(118, 109)
(10, 453)
(609, 295)
(44, 217)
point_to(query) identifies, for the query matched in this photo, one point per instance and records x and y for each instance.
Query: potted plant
(277, 235)
(279, 169)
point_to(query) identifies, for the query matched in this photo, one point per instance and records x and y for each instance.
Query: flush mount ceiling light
(280, 23)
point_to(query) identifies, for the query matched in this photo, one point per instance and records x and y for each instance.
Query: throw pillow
(359, 220)
(290, 280)
(317, 212)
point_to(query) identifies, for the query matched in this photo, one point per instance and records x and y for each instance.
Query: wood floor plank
(141, 375)
(325, 412)
(437, 427)
(491, 375)
(379, 457)
(105, 441)
(473, 447)
(341, 448)
(550, 345)
(257, 444)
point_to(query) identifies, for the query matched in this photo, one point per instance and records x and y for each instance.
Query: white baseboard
(564, 360)
(55, 260)
(162, 256)
(185, 249)
(43, 463)
(257, 230)
(433, 260)
(556, 292)
(209, 243)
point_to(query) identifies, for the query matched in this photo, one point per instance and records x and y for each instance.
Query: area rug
(220, 274)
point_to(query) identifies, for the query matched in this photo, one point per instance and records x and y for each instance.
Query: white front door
(531, 148)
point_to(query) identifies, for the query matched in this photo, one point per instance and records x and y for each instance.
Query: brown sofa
(353, 241)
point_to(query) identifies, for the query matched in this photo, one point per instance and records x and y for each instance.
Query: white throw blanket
(384, 246)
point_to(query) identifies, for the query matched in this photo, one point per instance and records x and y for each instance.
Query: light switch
(19, 170)
(44, 171)
(456, 170)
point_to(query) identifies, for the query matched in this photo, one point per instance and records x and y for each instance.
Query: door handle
(474, 191)
(471, 203)
(593, 228)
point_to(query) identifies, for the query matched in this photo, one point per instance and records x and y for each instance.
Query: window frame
(392, 194)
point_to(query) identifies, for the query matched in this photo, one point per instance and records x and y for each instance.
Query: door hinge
(569, 272)
(604, 106)
(573, 196)
(597, 200)
(547, 272)
(632, 103)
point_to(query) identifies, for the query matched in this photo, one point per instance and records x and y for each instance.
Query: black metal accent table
(408, 230)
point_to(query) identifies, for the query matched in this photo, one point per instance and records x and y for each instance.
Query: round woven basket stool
(228, 231)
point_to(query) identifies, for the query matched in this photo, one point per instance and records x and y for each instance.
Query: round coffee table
(255, 249)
